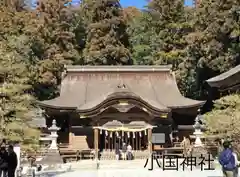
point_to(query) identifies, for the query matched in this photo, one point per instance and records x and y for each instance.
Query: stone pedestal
(198, 135)
(53, 145)
(52, 158)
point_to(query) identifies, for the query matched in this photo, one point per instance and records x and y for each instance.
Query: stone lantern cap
(54, 126)
(198, 121)
(197, 125)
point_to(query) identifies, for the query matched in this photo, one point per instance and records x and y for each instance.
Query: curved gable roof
(226, 79)
(85, 88)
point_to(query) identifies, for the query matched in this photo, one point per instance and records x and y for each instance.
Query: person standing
(3, 162)
(12, 161)
(3, 143)
(117, 150)
(235, 174)
(129, 152)
(227, 160)
(186, 144)
(124, 151)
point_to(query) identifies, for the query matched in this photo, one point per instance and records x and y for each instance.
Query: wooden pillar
(96, 142)
(109, 147)
(140, 141)
(70, 134)
(136, 137)
(105, 141)
(150, 141)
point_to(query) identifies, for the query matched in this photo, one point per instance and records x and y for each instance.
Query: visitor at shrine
(129, 152)
(117, 150)
(3, 143)
(186, 144)
(3, 162)
(235, 173)
(124, 151)
(12, 161)
(227, 160)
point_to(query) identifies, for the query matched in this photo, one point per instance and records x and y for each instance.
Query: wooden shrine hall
(227, 82)
(100, 106)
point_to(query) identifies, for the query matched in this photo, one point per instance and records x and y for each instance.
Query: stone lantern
(199, 151)
(53, 129)
(198, 129)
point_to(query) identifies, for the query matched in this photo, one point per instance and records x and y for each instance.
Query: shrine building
(225, 83)
(100, 106)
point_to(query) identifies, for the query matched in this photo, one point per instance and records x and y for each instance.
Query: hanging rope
(124, 129)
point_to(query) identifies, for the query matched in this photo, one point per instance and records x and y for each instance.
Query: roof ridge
(225, 74)
(112, 68)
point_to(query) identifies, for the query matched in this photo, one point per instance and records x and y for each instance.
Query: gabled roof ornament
(122, 86)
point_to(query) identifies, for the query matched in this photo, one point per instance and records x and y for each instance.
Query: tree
(56, 40)
(107, 41)
(141, 37)
(213, 47)
(15, 99)
(224, 120)
(169, 23)
(130, 13)
(157, 36)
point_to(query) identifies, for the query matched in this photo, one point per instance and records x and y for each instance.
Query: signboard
(158, 138)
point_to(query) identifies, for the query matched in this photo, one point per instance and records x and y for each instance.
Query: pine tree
(131, 13)
(225, 118)
(141, 36)
(169, 23)
(214, 45)
(158, 35)
(107, 41)
(16, 100)
(56, 34)
(13, 18)
(15, 86)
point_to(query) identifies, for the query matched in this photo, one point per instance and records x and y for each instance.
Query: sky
(141, 3)
(126, 3)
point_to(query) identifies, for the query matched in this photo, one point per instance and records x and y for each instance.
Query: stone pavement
(140, 173)
(135, 168)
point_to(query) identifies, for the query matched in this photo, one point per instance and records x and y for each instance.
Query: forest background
(35, 44)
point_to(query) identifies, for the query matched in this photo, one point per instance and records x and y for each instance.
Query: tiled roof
(231, 77)
(85, 88)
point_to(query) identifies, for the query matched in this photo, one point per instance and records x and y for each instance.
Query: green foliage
(158, 34)
(15, 99)
(53, 33)
(213, 47)
(140, 38)
(224, 120)
(107, 41)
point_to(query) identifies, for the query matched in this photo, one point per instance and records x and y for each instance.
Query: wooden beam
(185, 127)
(122, 116)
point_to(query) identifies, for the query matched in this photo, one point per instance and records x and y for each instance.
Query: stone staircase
(110, 155)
